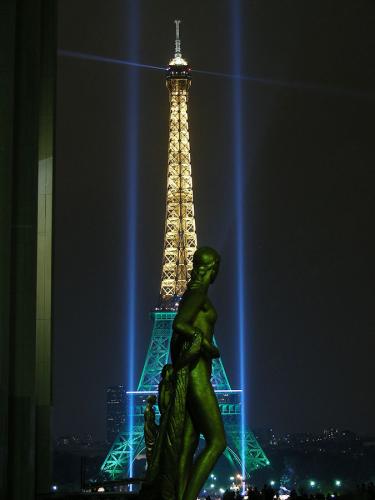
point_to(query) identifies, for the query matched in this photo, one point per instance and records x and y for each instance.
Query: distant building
(115, 410)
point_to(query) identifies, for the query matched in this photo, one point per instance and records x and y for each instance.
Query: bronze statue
(188, 404)
(150, 428)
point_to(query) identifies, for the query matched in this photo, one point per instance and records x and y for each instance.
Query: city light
(312, 484)
(54, 487)
(272, 482)
(337, 482)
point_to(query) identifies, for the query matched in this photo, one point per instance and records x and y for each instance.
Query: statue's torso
(205, 321)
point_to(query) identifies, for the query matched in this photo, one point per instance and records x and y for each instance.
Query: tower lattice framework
(180, 243)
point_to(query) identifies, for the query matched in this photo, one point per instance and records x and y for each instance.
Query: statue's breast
(210, 312)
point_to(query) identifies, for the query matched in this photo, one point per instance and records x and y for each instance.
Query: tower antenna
(177, 43)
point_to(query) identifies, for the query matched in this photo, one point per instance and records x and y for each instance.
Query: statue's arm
(210, 350)
(188, 310)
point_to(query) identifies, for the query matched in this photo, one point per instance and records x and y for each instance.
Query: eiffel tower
(180, 243)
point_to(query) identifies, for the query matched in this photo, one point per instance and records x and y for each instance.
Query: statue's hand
(191, 351)
(209, 349)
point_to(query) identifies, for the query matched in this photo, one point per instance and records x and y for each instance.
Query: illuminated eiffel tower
(180, 243)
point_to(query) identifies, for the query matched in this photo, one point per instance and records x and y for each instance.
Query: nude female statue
(194, 325)
(187, 400)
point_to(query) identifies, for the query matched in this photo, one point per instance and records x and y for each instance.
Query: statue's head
(167, 372)
(206, 262)
(151, 400)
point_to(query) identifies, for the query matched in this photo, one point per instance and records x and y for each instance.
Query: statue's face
(206, 266)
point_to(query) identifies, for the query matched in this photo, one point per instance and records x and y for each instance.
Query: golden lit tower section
(180, 240)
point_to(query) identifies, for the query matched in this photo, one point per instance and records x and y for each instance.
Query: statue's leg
(189, 445)
(205, 414)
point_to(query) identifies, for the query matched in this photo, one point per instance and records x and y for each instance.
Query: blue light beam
(131, 155)
(110, 60)
(297, 85)
(239, 182)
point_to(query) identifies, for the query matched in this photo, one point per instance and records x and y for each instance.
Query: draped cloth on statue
(162, 474)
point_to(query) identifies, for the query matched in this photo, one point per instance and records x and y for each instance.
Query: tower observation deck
(180, 243)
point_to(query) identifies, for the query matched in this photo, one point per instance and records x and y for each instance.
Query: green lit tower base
(126, 447)
(180, 243)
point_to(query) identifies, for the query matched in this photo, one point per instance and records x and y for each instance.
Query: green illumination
(126, 447)
(338, 482)
(312, 484)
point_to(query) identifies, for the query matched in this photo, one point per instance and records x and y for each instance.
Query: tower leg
(123, 452)
(255, 458)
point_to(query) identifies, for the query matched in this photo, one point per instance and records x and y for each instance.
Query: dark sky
(309, 207)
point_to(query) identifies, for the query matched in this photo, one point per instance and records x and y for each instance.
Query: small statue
(187, 401)
(150, 428)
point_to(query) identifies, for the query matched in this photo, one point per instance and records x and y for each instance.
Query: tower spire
(177, 59)
(177, 43)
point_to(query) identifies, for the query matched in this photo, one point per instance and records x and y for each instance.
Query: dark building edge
(27, 101)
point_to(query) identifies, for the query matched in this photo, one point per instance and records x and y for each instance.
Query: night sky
(309, 154)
